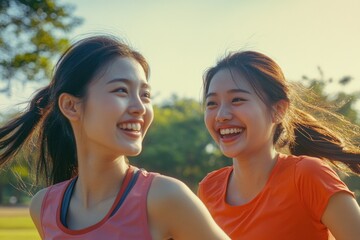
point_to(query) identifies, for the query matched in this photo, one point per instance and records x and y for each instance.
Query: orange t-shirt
(290, 206)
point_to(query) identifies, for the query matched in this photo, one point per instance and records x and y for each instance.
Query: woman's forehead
(229, 78)
(121, 68)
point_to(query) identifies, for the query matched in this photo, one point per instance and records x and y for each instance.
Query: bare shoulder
(175, 211)
(36, 202)
(167, 188)
(167, 192)
(35, 208)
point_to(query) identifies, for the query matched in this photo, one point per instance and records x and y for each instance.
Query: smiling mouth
(130, 126)
(230, 132)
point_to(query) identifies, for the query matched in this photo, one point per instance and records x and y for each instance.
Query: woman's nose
(223, 115)
(137, 107)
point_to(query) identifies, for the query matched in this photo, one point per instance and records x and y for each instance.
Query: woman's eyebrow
(235, 90)
(125, 80)
(144, 84)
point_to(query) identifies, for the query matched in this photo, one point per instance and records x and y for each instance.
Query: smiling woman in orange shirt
(251, 114)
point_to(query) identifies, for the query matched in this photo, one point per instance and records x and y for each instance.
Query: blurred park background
(315, 42)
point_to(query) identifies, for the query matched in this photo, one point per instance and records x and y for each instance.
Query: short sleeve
(316, 182)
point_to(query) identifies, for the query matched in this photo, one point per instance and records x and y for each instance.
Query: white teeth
(131, 126)
(231, 131)
(136, 126)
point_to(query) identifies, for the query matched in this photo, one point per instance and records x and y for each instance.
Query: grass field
(16, 224)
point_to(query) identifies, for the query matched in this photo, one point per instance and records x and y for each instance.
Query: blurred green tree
(16, 177)
(32, 33)
(16, 183)
(339, 101)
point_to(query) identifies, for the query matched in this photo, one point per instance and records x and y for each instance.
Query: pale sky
(182, 38)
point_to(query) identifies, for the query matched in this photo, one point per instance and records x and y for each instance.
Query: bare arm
(342, 217)
(175, 211)
(35, 209)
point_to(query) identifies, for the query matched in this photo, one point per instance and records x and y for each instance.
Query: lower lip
(230, 139)
(132, 134)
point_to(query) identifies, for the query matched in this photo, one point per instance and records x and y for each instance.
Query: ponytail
(42, 122)
(329, 136)
(15, 133)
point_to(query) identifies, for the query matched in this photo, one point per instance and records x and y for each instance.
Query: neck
(250, 175)
(99, 179)
(254, 166)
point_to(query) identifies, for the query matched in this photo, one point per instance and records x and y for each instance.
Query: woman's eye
(147, 94)
(238, 99)
(120, 90)
(210, 103)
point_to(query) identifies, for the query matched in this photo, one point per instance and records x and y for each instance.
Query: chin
(229, 154)
(132, 152)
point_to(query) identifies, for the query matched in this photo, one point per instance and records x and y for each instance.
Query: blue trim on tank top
(70, 189)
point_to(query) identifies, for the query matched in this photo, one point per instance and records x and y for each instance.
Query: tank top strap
(128, 183)
(127, 190)
(66, 201)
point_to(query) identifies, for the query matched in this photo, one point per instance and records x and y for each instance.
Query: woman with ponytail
(94, 113)
(282, 183)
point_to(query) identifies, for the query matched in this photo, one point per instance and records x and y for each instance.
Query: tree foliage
(32, 33)
(16, 181)
(338, 101)
(16, 177)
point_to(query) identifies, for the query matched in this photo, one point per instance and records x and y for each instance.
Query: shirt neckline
(124, 184)
(227, 179)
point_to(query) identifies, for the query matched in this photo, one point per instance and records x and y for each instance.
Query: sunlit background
(181, 39)
(319, 39)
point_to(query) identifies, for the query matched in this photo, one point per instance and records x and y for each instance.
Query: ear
(279, 111)
(70, 107)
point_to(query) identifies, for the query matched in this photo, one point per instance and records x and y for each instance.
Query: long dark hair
(330, 138)
(43, 125)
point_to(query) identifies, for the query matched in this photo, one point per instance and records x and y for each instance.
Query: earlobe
(69, 106)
